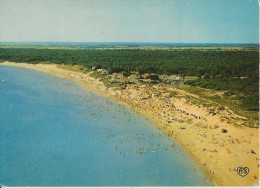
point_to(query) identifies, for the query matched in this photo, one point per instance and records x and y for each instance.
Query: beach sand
(198, 128)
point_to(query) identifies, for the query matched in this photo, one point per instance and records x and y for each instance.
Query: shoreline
(216, 152)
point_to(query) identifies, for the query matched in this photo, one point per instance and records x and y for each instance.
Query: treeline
(227, 84)
(221, 64)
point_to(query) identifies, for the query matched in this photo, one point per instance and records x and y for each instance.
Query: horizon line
(71, 42)
(134, 42)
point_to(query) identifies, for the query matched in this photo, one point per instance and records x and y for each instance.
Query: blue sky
(177, 21)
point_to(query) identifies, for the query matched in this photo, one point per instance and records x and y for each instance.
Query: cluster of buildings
(135, 77)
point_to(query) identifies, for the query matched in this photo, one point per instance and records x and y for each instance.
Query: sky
(168, 21)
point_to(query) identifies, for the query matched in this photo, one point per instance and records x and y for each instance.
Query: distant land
(123, 44)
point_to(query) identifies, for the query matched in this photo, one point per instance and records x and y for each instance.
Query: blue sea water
(54, 133)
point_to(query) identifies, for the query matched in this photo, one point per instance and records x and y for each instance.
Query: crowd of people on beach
(163, 109)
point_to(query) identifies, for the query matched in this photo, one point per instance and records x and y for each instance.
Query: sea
(55, 133)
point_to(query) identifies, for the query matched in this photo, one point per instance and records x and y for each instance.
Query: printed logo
(242, 171)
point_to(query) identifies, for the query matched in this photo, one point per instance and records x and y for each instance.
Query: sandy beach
(181, 115)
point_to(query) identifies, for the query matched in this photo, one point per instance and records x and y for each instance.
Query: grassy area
(105, 80)
(96, 75)
(243, 92)
(221, 98)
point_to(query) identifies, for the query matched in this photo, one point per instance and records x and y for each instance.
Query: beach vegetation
(245, 105)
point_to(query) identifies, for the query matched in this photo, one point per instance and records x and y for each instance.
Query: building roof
(133, 76)
(147, 80)
(115, 79)
(115, 73)
(123, 79)
(191, 76)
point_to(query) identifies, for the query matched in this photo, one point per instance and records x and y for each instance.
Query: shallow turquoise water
(54, 133)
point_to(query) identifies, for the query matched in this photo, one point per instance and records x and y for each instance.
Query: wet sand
(183, 117)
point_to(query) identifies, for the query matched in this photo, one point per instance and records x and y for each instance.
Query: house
(147, 80)
(123, 80)
(117, 75)
(163, 77)
(188, 78)
(241, 77)
(93, 68)
(146, 75)
(178, 77)
(104, 71)
(109, 76)
(115, 80)
(155, 95)
(99, 70)
(154, 82)
(135, 72)
(174, 77)
(132, 78)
